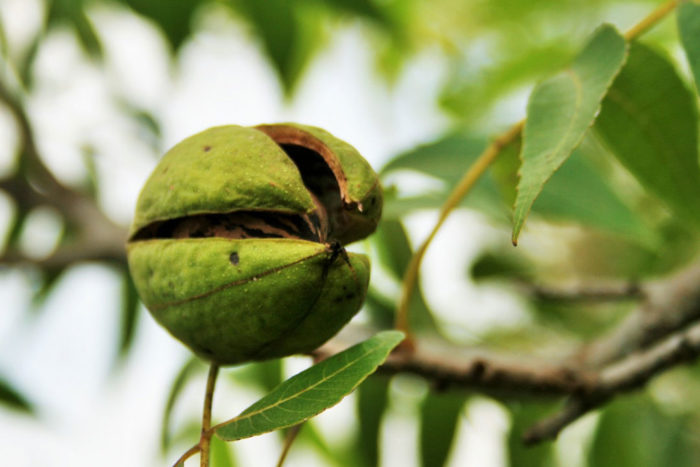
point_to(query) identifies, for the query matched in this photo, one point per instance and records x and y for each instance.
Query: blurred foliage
(523, 416)
(439, 414)
(13, 398)
(635, 431)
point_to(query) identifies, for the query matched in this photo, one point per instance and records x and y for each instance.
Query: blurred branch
(472, 176)
(99, 238)
(477, 169)
(662, 333)
(670, 304)
(626, 375)
(586, 293)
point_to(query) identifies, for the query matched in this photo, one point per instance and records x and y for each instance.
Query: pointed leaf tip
(560, 111)
(312, 391)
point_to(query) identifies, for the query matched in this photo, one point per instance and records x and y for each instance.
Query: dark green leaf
(560, 111)
(500, 265)
(13, 398)
(523, 416)
(49, 279)
(72, 13)
(634, 432)
(439, 415)
(396, 208)
(311, 391)
(173, 17)
(577, 192)
(290, 33)
(181, 379)
(25, 67)
(689, 28)
(649, 121)
(372, 398)
(129, 314)
(393, 248)
(221, 455)
(447, 159)
(265, 375)
(366, 8)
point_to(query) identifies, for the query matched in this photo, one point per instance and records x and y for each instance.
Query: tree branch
(602, 293)
(670, 304)
(624, 376)
(34, 185)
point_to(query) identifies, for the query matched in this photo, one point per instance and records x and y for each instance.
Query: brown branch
(68, 255)
(35, 186)
(501, 375)
(633, 372)
(603, 293)
(670, 304)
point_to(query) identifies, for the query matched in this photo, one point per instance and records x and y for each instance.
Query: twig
(189, 453)
(653, 18)
(206, 415)
(289, 439)
(670, 304)
(463, 187)
(472, 176)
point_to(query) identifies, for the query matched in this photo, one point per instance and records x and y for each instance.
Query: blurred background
(93, 92)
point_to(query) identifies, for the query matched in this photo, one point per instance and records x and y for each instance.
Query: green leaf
(372, 400)
(129, 314)
(183, 376)
(50, 278)
(560, 111)
(523, 415)
(221, 455)
(311, 435)
(13, 398)
(467, 96)
(311, 391)
(394, 250)
(439, 414)
(447, 159)
(689, 29)
(578, 192)
(649, 121)
(173, 17)
(634, 432)
(366, 8)
(72, 13)
(380, 309)
(497, 265)
(265, 375)
(290, 33)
